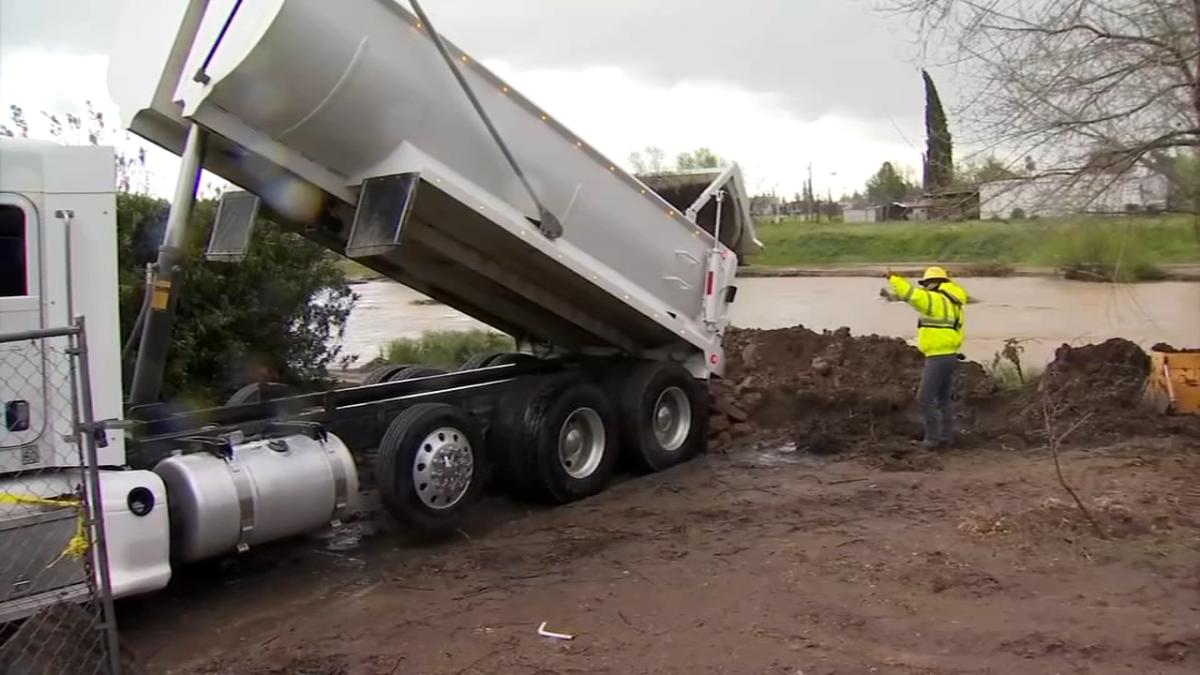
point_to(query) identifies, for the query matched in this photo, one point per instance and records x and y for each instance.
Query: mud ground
(759, 560)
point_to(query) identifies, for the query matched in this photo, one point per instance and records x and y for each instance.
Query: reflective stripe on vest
(949, 306)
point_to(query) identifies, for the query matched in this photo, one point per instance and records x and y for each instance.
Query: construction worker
(940, 303)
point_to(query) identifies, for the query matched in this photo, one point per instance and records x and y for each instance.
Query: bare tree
(1093, 88)
(648, 161)
(700, 158)
(131, 171)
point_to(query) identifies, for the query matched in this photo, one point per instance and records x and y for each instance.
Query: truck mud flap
(383, 206)
(236, 214)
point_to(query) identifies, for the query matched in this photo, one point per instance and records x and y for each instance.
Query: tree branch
(1053, 442)
(1102, 34)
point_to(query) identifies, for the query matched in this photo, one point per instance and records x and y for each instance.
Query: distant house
(861, 214)
(876, 214)
(1051, 196)
(955, 204)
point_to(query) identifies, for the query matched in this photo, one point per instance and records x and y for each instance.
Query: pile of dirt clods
(833, 392)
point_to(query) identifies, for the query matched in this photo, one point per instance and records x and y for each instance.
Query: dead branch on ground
(1053, 441)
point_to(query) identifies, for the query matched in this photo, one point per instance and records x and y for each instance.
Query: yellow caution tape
(77, 547)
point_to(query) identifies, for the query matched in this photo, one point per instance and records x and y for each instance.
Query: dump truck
(357, 126)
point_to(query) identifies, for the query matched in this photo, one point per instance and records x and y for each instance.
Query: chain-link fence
(56, 613)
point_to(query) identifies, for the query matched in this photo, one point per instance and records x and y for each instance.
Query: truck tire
(384, 373)
(430, 467)
(413, 372)
(479, 361)
(257, 392)
(559, 442)
(664, 415)
(511, 358)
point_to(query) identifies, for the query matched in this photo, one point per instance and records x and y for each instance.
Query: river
(1043, 312)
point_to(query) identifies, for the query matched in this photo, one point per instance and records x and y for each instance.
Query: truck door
(22, 363)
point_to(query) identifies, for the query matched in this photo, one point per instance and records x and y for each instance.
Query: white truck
(356, 126)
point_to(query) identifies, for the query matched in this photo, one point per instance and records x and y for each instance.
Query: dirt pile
(832, 392)
(1103, 381)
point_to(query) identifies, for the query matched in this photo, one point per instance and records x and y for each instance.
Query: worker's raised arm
(919, 298)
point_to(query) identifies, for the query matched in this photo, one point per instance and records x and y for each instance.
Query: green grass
(1138, 242)
(445, 349)
(1006, 376)
(356, 271)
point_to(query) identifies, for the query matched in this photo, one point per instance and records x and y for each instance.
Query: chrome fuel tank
(264, 490)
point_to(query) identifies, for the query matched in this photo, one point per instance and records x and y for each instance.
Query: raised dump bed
(348, 123)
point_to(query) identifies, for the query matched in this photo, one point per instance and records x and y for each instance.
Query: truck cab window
(13, 265)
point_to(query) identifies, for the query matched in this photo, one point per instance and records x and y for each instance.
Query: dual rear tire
(555, 439)
(664, 414)
(560, 438)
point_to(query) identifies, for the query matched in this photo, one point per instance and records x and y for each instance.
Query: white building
(866, 214)
(1068, 195)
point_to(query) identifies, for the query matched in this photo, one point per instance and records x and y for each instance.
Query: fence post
(56, 604)
(87, 430)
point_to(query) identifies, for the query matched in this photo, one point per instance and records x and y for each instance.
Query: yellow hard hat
(935, 274)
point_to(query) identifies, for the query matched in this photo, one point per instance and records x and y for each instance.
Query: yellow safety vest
(941, 326)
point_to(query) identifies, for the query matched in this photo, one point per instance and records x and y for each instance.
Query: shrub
(445, 349)
(276, 316)
(1103, 251)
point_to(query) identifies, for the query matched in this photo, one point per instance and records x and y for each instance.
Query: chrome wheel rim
(581, 442)
(672, 419)
(443, 468)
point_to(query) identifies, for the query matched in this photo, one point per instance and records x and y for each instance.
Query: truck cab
(58, 262)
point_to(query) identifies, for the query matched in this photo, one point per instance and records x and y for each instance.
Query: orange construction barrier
(1174, 382)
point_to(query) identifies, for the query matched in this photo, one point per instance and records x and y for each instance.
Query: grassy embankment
(356, 271)
(1125, 248)
(445, 349)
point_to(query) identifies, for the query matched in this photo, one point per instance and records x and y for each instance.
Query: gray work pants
(937, 386)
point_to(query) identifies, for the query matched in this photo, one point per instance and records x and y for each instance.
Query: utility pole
(829, 193)
(809, 210)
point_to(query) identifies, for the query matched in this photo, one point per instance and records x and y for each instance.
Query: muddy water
(1043, 312)
(386, 311)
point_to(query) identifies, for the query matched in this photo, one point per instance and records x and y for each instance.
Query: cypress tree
(939, 148)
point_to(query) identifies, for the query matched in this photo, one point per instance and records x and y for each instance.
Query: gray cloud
(821, 56)
(71, 26)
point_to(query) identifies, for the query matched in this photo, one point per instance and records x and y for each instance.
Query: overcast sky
(771, 84)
